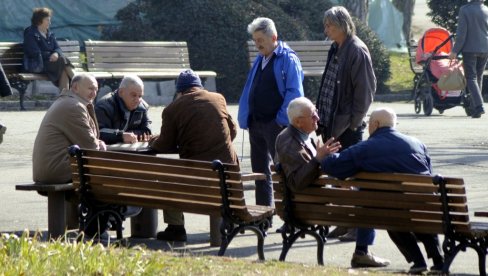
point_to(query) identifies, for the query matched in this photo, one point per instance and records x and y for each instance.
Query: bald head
(85, 85)
(382, 117)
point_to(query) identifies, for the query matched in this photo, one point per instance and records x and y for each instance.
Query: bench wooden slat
(312, 55)
(170, 184)
(152, 159)
(45, 187)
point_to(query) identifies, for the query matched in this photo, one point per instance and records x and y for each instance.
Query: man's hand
(54, 56)
(129, 137)
(328, 148)
(101, 145)
(452, 55)
(144, 137)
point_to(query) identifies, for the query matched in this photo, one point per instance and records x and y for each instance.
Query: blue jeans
(474, 65)
(365, 236)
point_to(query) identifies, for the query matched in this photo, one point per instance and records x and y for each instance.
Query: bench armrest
(45, 187)
(481, 214)
(252, 176)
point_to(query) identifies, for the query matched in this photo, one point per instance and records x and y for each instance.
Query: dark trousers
(262, 137)
(474, 65)
(407, 244)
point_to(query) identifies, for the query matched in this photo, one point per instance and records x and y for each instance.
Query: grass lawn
(401, 75)
(28, 256)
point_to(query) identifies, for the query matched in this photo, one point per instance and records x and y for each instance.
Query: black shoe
(477, 112)
(281, 229)
(173, 233)
(436, 269)
(3, 129)
(338, 231)
(418, 268)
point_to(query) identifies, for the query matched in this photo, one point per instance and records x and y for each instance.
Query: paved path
(458, 146)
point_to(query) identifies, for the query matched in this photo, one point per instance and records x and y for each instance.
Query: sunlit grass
(26, 255)
(401, 75)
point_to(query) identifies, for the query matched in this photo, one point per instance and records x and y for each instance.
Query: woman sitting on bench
(42, 53)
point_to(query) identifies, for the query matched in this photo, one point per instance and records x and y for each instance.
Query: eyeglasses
(314, 115)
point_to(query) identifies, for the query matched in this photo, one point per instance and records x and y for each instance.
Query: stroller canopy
(433, 38)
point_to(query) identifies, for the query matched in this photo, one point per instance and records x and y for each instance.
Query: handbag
(33, 65)
(453, 79)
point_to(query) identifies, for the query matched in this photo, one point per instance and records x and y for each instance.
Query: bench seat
(389, 201)
(11, 58)
(152, 60)
(200, 187)
(56, 197)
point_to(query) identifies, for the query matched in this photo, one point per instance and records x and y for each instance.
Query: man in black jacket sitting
(122, 114)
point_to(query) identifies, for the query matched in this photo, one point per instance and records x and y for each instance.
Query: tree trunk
(406, 8)
(358, 8)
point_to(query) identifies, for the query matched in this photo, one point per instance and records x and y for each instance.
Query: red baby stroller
(432, 53)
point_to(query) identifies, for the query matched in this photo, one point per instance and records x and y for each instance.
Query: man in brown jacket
(198, 126)
(70, 120)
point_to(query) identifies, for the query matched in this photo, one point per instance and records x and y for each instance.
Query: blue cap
(187, 79)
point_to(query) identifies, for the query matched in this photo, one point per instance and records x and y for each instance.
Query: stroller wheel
(441, 111)
(417, 104)
(428, 104)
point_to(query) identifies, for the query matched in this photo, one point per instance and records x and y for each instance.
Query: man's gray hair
(262, 24)
(81, 76)
(297, 106)
(339, 16)
(130, 80)
(385, 116)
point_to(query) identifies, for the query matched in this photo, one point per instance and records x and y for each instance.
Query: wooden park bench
(56, 200)
(150, 60)
(312, 55)
(11, 56)
(208, 188)
(390, 201)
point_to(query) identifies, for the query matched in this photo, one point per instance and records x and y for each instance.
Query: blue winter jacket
(386, 150)
(289, 77)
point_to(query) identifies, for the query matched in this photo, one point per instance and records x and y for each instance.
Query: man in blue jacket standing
(274, 80)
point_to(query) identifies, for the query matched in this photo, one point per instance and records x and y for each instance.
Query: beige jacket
(70, 120)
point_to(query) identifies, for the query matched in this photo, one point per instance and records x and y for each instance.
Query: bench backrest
(12, 53)
(378, 200)
(155, 182)
(136, 56)
(412, 52)
(312, 55)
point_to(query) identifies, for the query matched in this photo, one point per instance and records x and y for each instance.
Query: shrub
(216, 31)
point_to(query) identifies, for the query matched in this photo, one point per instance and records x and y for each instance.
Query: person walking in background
(5, 90)
(347, 88)
(472, 43)
(196, 125)
(300, 155)
(274, 80)
(42, 52)
(122, 115)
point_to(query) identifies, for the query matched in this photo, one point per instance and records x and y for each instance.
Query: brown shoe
(367, 260)
(173, 233)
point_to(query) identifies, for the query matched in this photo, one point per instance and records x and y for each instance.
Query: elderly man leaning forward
(122, 114)
(388, 150)
(300, 155)
(197, 125)
(70, 120)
